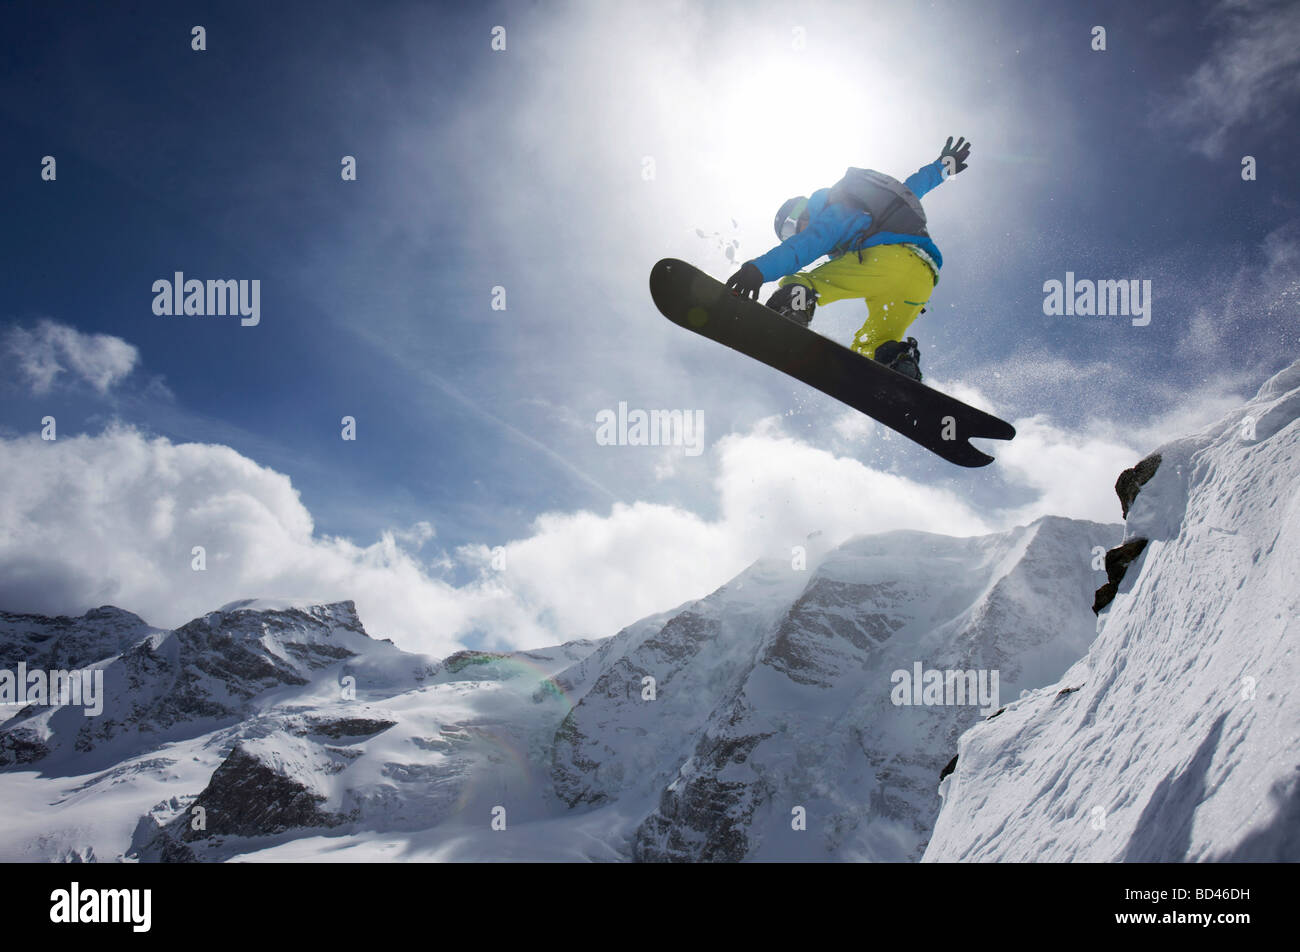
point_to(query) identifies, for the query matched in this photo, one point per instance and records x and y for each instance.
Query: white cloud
(113, 518)
(1072, 472)
(50, 349)
(1072, 475)
(1251, 75)
(583, 573)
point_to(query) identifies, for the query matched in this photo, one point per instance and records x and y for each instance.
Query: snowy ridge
(1177, 736)
(812, 723)
(63, 642)
(613, 741)
(168, 685)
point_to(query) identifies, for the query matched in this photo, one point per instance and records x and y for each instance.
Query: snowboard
(940, 423)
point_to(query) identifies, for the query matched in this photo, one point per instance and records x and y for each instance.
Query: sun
(789, 131)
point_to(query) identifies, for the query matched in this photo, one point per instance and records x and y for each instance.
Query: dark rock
(21, 746)
(350, 727)
(163, 849)
(463, 659)
(1133, 479)
(169, 851)
(952, 764)
(836, 613)
(703, 818)
(246, 797)
(1118, 560)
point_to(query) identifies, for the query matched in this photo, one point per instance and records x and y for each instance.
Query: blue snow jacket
(832, 227)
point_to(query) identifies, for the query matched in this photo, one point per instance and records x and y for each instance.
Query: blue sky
(525, 169)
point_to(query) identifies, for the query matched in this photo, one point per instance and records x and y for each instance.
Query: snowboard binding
(785, 299)
(903, 358)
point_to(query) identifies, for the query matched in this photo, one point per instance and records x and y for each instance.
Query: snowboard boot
(904, 358)
(785, 298)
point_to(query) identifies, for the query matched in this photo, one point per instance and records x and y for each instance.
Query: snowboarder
(895, 266)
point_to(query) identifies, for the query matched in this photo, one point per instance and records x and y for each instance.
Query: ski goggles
(790, 226)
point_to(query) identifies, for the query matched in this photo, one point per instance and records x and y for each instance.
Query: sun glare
(790, 130)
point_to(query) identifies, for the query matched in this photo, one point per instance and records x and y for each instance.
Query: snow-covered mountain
(1177, 736)
(774, 694)
(256, 725)
(216, 671)
(270, 731)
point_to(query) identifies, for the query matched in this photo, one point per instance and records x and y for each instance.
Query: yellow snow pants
(894, 281)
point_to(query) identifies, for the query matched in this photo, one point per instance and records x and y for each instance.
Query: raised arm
(951, 160)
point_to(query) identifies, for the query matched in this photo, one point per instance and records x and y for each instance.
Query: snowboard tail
(942, 424)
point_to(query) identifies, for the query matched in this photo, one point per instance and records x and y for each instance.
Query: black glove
(747, 281)
(958, 153)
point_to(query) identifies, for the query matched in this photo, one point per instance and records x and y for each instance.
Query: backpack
(891, 204)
